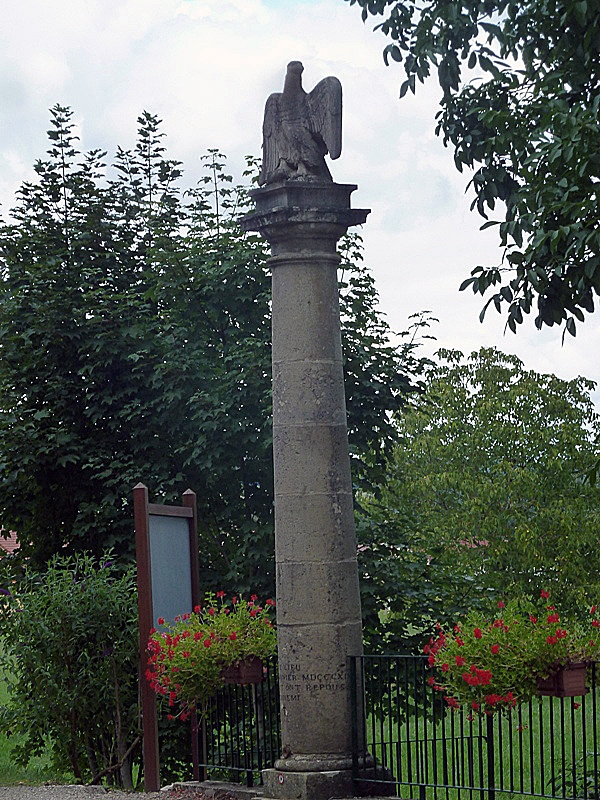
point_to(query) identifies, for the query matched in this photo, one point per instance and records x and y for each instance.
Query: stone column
(318, 602)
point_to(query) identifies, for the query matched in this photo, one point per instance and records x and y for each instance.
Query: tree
(487, 496)
(528, 125)
(135, 345)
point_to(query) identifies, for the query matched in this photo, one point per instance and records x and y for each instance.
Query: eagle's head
(295, 67)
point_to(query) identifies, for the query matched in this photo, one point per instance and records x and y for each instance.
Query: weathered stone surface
(306, 326)
(317, 390)
(315, 689)
(318, 601)
(306, 462)
(329, 592)
(305, 523)
(311, 785)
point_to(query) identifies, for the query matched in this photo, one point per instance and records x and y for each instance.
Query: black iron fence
(240, 735)
(549, 747)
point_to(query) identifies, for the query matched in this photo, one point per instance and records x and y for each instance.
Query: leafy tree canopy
(488, 498)
(520, 106)
(135, 345)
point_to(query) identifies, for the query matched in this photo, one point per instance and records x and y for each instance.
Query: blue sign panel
(170, 566)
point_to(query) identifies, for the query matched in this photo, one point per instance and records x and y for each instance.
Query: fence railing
(240, 735)
(549, 747)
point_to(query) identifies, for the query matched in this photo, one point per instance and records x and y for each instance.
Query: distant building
(10, 544)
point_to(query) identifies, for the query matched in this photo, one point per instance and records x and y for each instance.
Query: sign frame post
(147, 516)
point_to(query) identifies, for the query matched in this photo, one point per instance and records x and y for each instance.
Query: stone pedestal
(318, 602)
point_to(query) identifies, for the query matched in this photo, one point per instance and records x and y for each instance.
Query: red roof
(9, 544)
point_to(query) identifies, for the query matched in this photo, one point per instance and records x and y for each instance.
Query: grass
(543, 749)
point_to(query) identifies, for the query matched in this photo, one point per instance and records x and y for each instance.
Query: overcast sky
(206, 67)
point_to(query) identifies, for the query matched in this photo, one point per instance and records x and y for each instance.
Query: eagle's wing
(271, 125)
(325, 102)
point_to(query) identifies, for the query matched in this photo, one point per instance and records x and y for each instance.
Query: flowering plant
(187, 657)
(489, 665)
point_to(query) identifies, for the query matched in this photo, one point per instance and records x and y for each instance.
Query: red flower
(212, 612)
(493, 699)
(254, 597)
(593, 609)
(197, 609)
(233, 636)
(452, 702)
(459, 642)
(221, 594)
(445, 667)
(595, 623)
(160, 621)
(207, 642)
(553, 618)
(460, 661)
(477, 633)
(485, 676)
(532, 619)
(501, 604)
(270, 602)
(495, 648)
(545, 594)
(234, 600)
(551, 640)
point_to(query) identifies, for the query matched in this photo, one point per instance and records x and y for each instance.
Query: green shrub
(71, 645)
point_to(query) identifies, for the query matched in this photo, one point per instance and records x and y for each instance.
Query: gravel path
(73, 793)
(190, 791)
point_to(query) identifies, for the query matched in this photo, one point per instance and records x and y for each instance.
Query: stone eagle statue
(300, 128)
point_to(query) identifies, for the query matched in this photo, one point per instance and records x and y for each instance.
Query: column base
(314, 762)
(286, 785)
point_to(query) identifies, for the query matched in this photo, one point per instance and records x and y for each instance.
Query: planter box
(568, 681)
(245, 672)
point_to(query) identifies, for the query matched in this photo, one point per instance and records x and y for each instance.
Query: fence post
(354, 715)
(491, 778)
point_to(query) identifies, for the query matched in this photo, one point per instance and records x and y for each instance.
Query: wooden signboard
(168, 585)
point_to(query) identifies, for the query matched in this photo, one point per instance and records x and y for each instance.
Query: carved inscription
(295, 683)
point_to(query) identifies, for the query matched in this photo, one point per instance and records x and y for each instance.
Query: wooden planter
(245, 672)
(567, 681)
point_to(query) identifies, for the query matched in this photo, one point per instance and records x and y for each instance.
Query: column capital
(303, 209)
